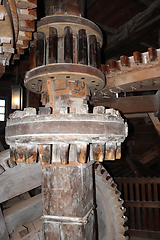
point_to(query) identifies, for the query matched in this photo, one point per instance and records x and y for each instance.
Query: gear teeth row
(130, 62)
(117, 201)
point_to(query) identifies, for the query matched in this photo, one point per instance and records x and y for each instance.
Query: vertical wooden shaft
(82, 47)
(68, 45)
(32, 54)
(67, 202)
(98, 56)
(92, 51)
(40, 51)
(52, 55)
(64, 6)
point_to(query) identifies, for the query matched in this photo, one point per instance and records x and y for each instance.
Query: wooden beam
(136, 104)
(23, 212)
(155, 122)
(144, 234)
(134, 31)
(148, 155)
(3, 230)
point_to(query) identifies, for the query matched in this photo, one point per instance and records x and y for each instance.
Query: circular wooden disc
(93, 77)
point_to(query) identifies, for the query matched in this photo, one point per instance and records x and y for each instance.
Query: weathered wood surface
(142, 205)
(23, 212)
(3, 230)
(13, 180)
(128, 105)
(71, 197)
(149, 155)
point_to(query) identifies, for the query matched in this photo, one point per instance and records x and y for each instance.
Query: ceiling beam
(134, 31)
(106, 28)
(129, 105)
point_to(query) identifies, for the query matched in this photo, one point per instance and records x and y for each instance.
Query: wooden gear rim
(75, 22)
(93, 77)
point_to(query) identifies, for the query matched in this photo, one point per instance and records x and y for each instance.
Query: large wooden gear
(12, 184)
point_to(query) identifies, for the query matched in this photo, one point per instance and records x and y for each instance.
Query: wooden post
(52, 55)
(92, 51)
(67, 202)
(82, 47)
(40, 51)
(68, 45)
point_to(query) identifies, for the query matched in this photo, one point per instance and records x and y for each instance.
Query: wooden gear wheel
(16, 179)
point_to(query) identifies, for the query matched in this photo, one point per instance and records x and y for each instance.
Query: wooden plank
(137, 180)
(146, 204)
(144, 208)
(132, 213)
(3, 230)
(138, 213)
(125, 191)
(23, 212)
(155, 187)
(12, 183)
(149, 191)
(148, 155)
(136, 104)
(144, 234)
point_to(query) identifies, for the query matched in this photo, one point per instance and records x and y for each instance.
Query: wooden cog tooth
(64, 153)
(110, 153)
(118, 152)
(137, 57)
(152, 54)
(20, 154)
(82, 153)
(44, 154)
(98, 152)
(26, 4)
(31, 154)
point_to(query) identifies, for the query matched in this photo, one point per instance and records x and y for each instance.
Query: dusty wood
(57, 200)
(144, 234)
(144, 204)
(132, 209)
(23, 212)
(61, 21)
(138, 213)
(3, 229)
(155, 122)
(155, 186)
(12, 181)
(148, 155)
(144, 209)
(136, 104)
